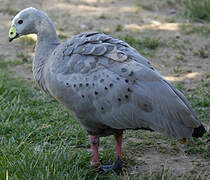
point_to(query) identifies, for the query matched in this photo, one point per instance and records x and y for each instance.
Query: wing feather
(119, 87)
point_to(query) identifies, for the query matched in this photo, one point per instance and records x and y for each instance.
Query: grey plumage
(108, 85)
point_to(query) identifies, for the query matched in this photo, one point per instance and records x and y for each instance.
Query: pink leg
(118, 145)
(94, 145)
(118, 164)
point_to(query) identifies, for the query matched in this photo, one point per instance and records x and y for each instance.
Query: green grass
(189, 29)
(146, 46)
(196, 10)
(102, 16)
(8, 63)
(39, 139)
(23, 57)
(148, 7)
(202, 53)
(174, 2)
(62, 36)
(199, 98)
(170, 20)
(118, 28)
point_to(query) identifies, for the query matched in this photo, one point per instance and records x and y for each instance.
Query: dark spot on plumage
(146, 106)
(105, 88)
(102, 108)
(126, 96)
(75, 85)
(126, 80)
(123, 70)
(152, 68)
(96, 93)
(118, 78)
(93, 84)
(148, 62)
(102, 80)
(83, 96)
(80, 85)
(87, 84)
(67, 84)
(107, 76)
(131, 73)
(110, 85)
(119, 99)
(129, 90)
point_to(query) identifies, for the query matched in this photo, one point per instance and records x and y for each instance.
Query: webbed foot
(117, 166)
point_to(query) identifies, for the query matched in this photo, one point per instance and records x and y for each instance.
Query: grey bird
(106, 84)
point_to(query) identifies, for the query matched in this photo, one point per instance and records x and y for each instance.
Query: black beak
(10, 39)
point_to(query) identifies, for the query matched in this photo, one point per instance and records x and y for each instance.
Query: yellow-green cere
(12, 32)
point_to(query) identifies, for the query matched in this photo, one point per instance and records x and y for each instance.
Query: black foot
(116, 166)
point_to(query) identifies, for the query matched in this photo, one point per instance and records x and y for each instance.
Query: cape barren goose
(106, 84)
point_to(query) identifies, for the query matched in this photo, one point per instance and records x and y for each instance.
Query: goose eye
(20, 22)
